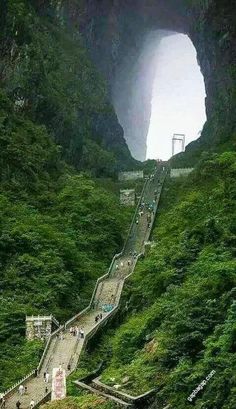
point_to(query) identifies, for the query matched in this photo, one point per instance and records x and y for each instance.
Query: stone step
(68, 349)
(108, 292)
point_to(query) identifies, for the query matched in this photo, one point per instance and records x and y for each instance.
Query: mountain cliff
(67, 36)
(62, 62)
(47, 73)
(114, 33)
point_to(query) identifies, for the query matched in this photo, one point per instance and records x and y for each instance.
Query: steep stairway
(64, 349)
(107, 292)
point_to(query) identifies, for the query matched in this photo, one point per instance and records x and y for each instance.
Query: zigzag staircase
(66, 349)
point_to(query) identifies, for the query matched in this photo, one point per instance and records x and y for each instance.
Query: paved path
(65, 349)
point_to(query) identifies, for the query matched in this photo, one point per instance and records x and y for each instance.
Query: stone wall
(40, 327)
(133, 175)
(175, 173)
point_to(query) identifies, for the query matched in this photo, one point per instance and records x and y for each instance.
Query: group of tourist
(77, 332)
(31, 405)
(145, 209)
(149, 207)
(133, 254)
(23, 390)
(140, 212)
(122, 265)
(152, 177)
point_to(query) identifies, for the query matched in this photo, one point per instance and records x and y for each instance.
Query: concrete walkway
(66, 348)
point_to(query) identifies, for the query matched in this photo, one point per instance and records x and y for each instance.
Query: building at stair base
(62, 348)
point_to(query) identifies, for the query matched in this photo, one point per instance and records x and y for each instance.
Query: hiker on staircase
(81, 331)
(124, 265)
(32, 404)
(46, 379)
(21, 390)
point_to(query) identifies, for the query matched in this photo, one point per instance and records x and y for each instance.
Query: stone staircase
(63, 348)
(107, 292)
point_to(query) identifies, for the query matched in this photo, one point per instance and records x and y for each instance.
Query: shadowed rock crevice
(115, 32)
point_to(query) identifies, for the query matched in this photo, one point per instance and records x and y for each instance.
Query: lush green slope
(181, 320)
(47, 73)
(58, 233)
(85, 401)
(58, 228)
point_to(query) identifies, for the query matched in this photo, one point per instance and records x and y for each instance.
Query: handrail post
(99, 280)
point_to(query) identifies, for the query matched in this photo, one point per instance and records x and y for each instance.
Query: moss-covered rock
(47, 73)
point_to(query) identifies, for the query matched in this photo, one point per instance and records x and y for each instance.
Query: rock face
(132, 92)
(46, 71)
(114, 32)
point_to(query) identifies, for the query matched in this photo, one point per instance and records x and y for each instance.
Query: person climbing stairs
(64, 349)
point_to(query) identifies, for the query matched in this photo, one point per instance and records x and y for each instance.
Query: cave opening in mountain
(178, 96)
(158, 91)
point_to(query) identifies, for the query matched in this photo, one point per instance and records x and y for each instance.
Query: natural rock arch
(114, 31)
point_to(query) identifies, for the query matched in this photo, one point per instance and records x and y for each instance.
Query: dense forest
(180, 323)
(59, 231)
(60, 227)
(46, 71)
(61, 148)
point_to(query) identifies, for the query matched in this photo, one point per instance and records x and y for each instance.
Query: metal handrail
(135, 215)
(156, 207)
(17, 384)
(47, 347)
(100, 279)
(75, 317)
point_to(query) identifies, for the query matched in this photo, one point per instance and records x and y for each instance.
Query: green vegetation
(84, 401)
(18, 357)
(181, 320)
(58, 228)
(59, 232)
(61, 223)
(49, 76)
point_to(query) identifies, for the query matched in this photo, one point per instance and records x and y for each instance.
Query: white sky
(178, 104)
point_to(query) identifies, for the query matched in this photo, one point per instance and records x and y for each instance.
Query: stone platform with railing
(64, 349)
